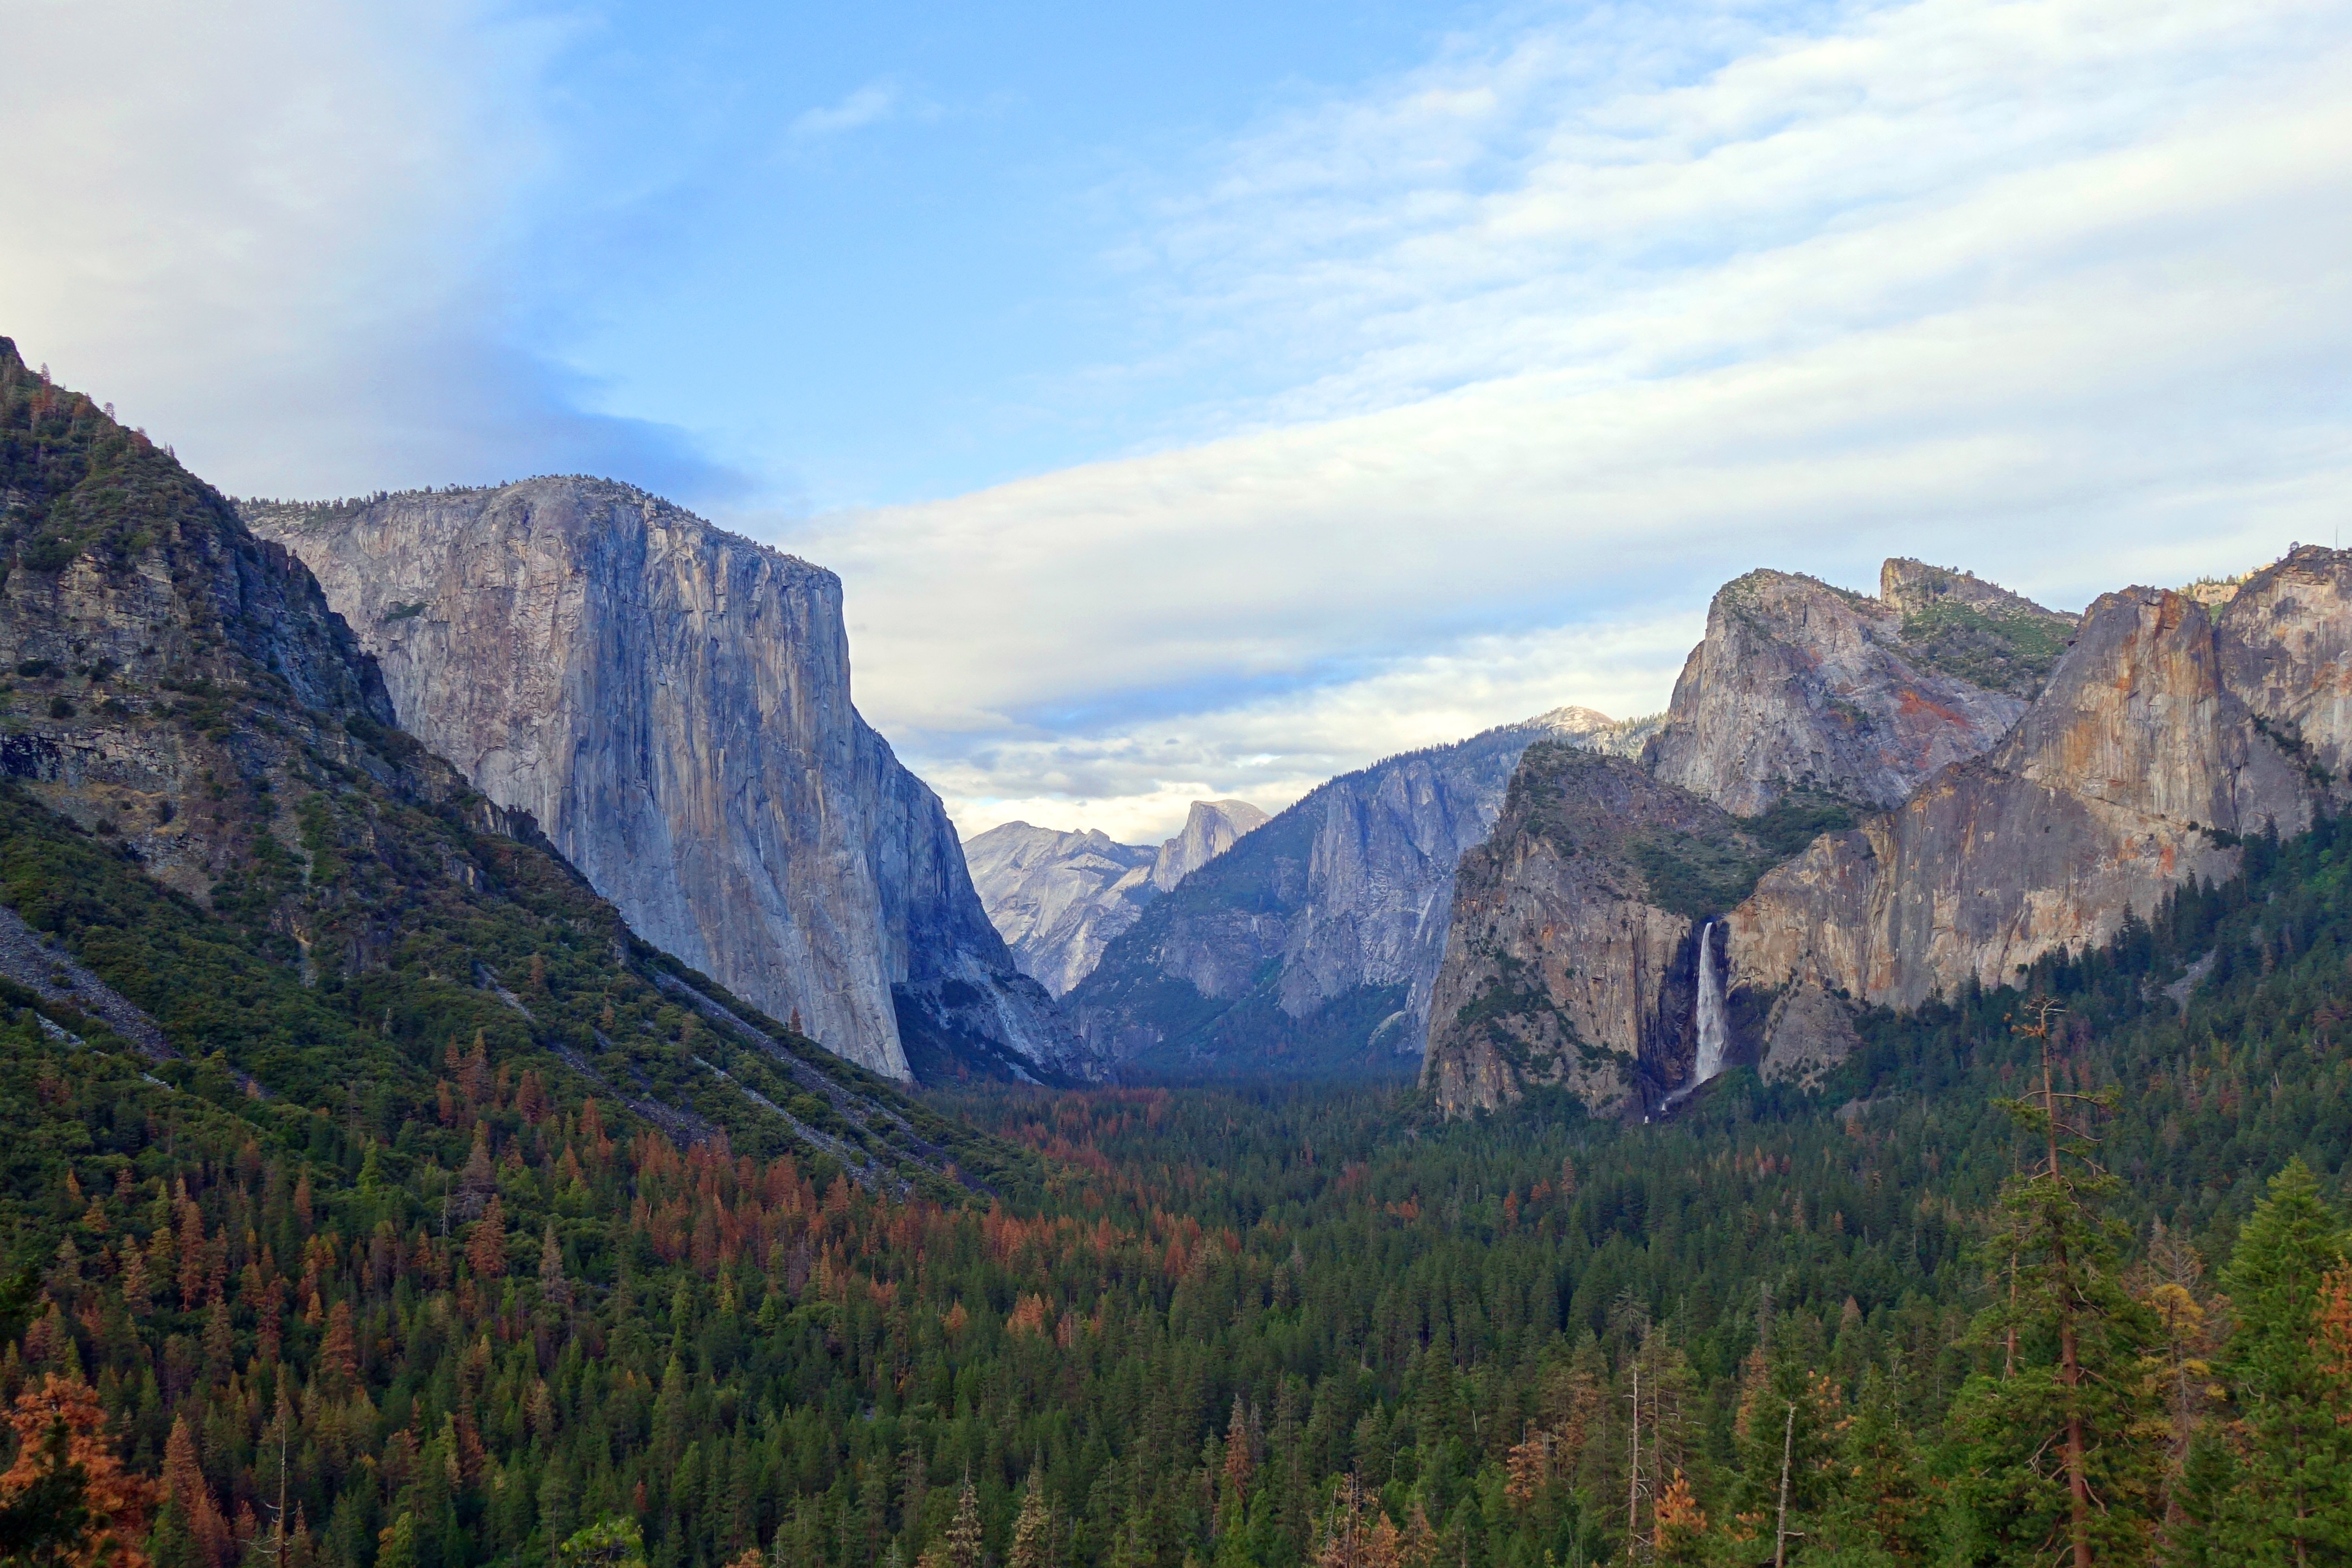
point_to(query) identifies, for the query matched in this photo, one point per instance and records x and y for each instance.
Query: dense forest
(1893, 1322)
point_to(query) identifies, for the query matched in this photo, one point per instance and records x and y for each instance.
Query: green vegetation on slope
(1222, 1305)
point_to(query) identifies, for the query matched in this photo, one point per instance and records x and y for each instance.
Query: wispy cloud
(872, 104)
(1568, 327)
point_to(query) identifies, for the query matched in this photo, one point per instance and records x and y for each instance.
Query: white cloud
(869, 105)
(280, 235)
(1560, 337)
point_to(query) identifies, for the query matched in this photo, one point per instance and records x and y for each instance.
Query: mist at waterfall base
(1713, 1034)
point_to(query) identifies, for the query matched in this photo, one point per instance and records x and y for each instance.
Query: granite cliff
(1210, 828)
(2165, 733)
(1804, 708)
(2101, 761)
(1563, 964)
(1799, 684)
(238, 889)
(1310, 946)
(1058, 898)
(672, 704)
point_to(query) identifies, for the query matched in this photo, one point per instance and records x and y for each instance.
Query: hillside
(208, 812)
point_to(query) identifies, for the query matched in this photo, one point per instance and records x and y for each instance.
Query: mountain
(1798, 684)
(2155, 737)
(672, 703)
(229, 877)
(1210, 828)
(1058, 898)
(1309, 947)
(2166, 735)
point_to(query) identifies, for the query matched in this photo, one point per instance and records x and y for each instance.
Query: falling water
(1712, 1034)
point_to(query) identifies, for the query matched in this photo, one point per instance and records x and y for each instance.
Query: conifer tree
(2054, 1459)
(1032, 1531)
(2287, 1498)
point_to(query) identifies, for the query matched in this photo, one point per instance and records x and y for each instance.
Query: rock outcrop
(672, 703)
(2156, 735)
(1310, 946)
(1956, 622)
(1563, 963)
(1210, 828)
(2160, 736)
(1058, 898)
(1800, 685)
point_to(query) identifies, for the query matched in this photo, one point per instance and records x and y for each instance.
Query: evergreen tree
(1032, 1531)
(2053, 1457)
(2289, 1498)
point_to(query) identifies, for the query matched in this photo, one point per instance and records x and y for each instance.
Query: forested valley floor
(1908, 1319)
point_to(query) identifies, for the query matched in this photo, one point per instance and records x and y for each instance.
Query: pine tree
(1881, 1506)
(1032, 1531)
(963, 1546)
(2290, 1498)
(2053, 1457)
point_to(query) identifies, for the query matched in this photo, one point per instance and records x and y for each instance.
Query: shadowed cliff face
(1798, 684)
(1561, 965)
(672, 703)
(2159, 729)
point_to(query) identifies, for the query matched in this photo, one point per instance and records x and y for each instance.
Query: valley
(501, 1065)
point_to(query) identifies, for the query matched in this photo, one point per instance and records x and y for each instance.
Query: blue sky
(889, 253)
(1202, 401)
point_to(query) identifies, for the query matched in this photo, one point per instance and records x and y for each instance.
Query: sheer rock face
(672, 703)
(1800, 683)
(1210, 828)
(1561, 966)
(2157, 727)
(1319, 936)
(2285, 641)
(236, 624)
(1058, 898)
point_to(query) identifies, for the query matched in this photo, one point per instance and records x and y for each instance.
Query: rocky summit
(1058, 898)
(672, 703)
(1923, 791)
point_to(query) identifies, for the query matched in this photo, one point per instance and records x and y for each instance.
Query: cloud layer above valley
(1585, 318)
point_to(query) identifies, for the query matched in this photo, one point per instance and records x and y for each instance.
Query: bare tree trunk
(1634, 1467)
(1781, 1531)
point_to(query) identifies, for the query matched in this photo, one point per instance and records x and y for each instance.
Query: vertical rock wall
(672, 703)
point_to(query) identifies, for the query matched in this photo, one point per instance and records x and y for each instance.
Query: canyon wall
(672, 703)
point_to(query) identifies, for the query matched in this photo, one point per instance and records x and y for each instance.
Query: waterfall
(1712, 1034)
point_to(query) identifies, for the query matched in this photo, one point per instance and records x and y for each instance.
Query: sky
(1204, 401)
